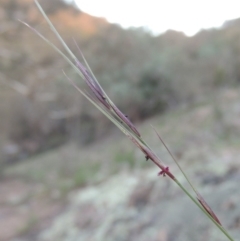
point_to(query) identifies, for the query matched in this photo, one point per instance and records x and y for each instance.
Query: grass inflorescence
(97, 96)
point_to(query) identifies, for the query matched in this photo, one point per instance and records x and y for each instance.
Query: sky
(188, 16)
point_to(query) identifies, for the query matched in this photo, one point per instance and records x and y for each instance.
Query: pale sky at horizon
(187, 16)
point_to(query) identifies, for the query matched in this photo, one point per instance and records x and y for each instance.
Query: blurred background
(66, 173)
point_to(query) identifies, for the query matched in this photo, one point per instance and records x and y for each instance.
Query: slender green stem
(176, 162)
(223, 230)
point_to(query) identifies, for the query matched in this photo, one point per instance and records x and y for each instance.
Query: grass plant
(97, 96)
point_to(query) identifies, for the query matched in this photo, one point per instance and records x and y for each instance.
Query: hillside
(145, 75)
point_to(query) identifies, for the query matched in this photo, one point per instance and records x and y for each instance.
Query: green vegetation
(28, 226)
(125, 156)
(86, 174)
